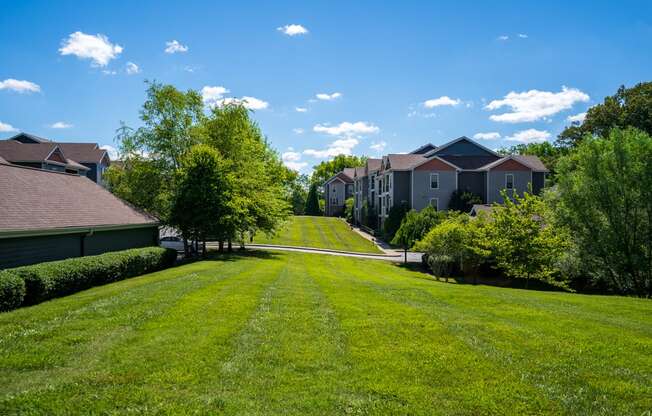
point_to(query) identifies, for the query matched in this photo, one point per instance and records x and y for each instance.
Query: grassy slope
(290, 333)
(320, 232)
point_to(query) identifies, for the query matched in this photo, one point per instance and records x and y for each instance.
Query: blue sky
(373, 78)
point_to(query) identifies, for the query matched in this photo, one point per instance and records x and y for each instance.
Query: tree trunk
(204, 247)
(186, 248)
(405, 255)
(230, 245)
(221, 246)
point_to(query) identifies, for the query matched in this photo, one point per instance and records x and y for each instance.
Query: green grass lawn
(291, 333)
(319, 232)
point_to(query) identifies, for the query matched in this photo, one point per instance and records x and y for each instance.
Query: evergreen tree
(312, 202)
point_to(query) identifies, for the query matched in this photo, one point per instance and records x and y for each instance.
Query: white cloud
(338, 147)
(291, 156)
(97, 48)
(293, 30)
(503, 37)
(132, 68)
(174, 46)
(7, 128)
(328, 97)
(300, 109)
(522, 36)
(61, 125)
(291, 159)
(441, 101)
(529, 136)
(347, 129)
(251, 103)
(577, 118)
(298, 131)
(487, 136)
(19, 85)
(378, 146)
(112, 151)
(109, 72)
(213, 96)
(534, 104)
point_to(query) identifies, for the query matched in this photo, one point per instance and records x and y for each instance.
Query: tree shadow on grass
(237, 254)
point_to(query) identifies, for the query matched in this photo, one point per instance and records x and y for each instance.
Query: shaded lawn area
(319, 232)
(292, 333)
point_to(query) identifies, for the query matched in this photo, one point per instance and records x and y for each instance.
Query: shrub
(12, 291)
(463, 201)
(348, 210)
(59, 278)
(393, 221)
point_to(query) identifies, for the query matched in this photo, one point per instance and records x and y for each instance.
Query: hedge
(29, 285)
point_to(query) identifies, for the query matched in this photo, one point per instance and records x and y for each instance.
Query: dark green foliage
(59, 278)
(416, 225)
(312, 202)
(463, 201)
(298, 186)
(348, 210)
(629, 107)
(605, 192)
(393, 221)
(12, 291)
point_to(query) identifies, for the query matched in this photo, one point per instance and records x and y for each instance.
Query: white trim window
(509, 181)
(434, 181)
(434, 202)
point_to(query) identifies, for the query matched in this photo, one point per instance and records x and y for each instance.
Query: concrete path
(412, 257)
(398, 258)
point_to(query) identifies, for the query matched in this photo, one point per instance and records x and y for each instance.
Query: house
(50, 215)
(431, 174)
(337, 190)
(84, 158)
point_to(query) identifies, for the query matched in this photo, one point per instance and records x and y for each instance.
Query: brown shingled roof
(404, 162)
(34, 199)
(360, 171)
(373, 164)
(349, 172)
(83, 152)
(14, 151)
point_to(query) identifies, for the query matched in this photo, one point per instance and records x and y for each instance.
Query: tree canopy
(326, 169)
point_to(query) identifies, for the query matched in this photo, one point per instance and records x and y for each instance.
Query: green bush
(59, 278)
(12, 291)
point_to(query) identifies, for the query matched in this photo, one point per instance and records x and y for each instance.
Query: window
(434, 202)
(434, 181)
(509, 181)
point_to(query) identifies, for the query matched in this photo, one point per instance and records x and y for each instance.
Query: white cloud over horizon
(328, 97)
(378, 146)
(346, 129)
(21, 86)
(529, 136)
(494, 135)
(293, 30)
(61, 125)
(132, 68)
(7, 128)
(444, 100)
(535, 105)
(97, 48)
(174, 46)
(577, 118)
(338, 147)
(292, 160)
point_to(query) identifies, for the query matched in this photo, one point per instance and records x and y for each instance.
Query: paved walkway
(412, 257)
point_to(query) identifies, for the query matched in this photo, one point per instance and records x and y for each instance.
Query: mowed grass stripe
(575, 361)
(290, 358)
(169, 351)
(319, 232)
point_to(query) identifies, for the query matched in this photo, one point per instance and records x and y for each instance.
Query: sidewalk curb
(358, 253)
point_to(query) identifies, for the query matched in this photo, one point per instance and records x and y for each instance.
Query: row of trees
(210, 175)
(591, 229)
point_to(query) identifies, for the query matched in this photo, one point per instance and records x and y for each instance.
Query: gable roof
(59, 200)
(342, 176)
(360, 171)
(349, 172)
(373, 164)
(426, 160)
(28, 138)
(459, 139)
(403, 161)
(83, 152)
(15, 151)
(529, 161)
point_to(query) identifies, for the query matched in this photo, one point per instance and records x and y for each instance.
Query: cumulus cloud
(300, 109)
(112, 151)
(291, 159)
(338, 147)
(97, 48)
(534, 105)
(21, 86)
(347, 129)
(529, 136)
(214, 97)
(444, 100)
(132, 68)
(378, 146)
(487, 136)
(7, 128)
(61, 125)
(328, 97)
(251, 103)
(174, 46)
(577, 118)
(293, 30)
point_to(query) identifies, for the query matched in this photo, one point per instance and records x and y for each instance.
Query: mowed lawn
(297, 334)
(319, 232)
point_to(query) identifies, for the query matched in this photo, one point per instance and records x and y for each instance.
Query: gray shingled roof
(373, 164)
(14, 151)
(404, 162)
(83, 152)
(34, 199)
(349, 172)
